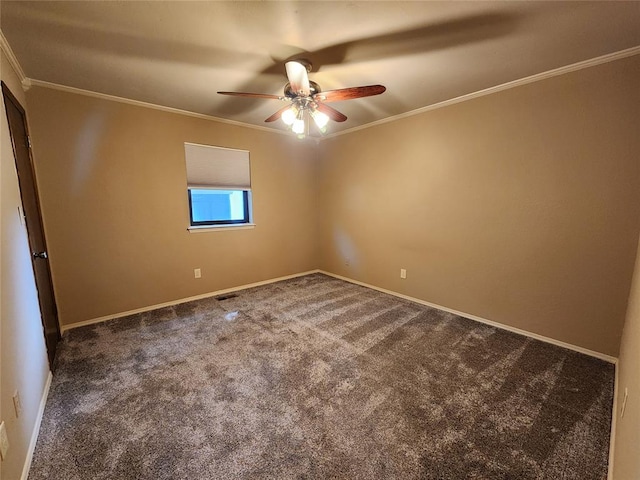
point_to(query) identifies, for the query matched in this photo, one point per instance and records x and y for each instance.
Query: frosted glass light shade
(288, 116)
(320, 118)
(298, 126)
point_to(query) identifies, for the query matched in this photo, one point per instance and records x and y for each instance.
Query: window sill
(219, 228)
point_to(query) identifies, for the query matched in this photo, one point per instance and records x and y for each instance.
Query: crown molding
(31, 82)
(13, 60)
(610, 57)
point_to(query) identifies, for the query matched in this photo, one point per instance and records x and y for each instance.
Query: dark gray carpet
(318, 378)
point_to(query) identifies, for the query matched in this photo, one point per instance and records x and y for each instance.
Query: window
(218, 186)
(218, 207)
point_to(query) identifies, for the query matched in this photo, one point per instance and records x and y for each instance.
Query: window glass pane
(218, 205)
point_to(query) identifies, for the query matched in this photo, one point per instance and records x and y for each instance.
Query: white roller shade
(216, 167)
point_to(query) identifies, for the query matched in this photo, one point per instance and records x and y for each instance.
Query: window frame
(246, 220)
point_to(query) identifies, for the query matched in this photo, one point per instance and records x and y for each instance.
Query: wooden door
(29, 194)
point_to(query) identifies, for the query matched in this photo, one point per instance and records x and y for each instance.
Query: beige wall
(626, 463)
(520, 207)
(23, 361)
(113, 188)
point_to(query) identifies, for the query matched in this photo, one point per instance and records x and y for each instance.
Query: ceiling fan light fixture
(307, 100)
(298, 126)
(320, 119)
(289, 116)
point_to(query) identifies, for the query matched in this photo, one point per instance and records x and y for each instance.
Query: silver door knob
(39, 254)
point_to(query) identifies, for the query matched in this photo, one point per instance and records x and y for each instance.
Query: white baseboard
(64, 328)
(592, 353)
(36, 429)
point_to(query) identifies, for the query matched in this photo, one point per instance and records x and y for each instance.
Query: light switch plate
(4, 441)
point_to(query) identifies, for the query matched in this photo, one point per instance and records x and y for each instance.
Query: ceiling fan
(305, 99)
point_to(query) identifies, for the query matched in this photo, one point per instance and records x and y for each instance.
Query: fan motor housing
(313, 89)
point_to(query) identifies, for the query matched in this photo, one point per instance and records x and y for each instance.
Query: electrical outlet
(403, 273)
(197, 273)
(4, 442)
(624, 402)
(17, 405)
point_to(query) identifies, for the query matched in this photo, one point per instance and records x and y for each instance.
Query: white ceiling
(178, 54)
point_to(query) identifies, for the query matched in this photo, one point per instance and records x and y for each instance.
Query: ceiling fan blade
(278, 114)
(298, 78)
(252, 95)
(331, 112)
(350, 93)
